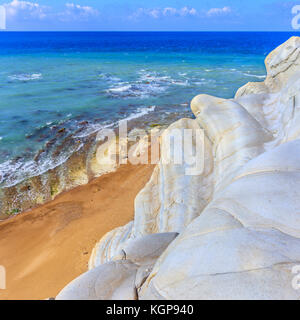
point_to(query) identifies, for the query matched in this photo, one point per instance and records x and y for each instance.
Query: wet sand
(47, 247)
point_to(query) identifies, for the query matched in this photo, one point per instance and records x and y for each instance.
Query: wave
(141, 90)
(154, 77)
(254, 75)
(180, 83)
(92, 128)
(147, 84)
(108, 77)
(14, 171)
(120, 89)
(25, 77)
(95, 127)
(203, 81)
(140, 113)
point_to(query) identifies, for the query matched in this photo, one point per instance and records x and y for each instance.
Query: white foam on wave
(254, 75)
(138, 89)
(247, 73)
(140, 113)
(92, 128)
(95, 127)
(25, 77)
(109, 77)
(204, 81)
(154, 77)
(149, 83)
(180, 83)
(12, 172)
(120, 89)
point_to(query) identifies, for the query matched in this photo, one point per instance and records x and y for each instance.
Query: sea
(64, 86)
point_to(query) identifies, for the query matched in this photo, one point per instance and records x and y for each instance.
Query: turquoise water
(57, 88)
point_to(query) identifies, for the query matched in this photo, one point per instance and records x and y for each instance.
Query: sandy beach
(46, 248)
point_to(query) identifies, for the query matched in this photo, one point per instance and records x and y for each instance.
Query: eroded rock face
(121, 278)
(238, 221)
(146, 250)
(114, 280)
(172, 198)
(245, 243)
(108, 246)
(236, 136)
(169, 201)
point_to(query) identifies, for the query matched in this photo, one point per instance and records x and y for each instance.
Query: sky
(149, 15)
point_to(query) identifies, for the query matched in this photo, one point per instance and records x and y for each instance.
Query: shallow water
(58, 87)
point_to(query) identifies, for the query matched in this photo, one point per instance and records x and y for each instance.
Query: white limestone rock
(236, 136)
(146, 250)
(246, 241)
(114, 280)
(277, 106)
(281, 65)
(172, 199)
(239, 219)
(116, 245)
(244, 244)
(108, 246)
(122, 277)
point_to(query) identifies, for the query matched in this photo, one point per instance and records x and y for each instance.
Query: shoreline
(45, 248)
(79, 168)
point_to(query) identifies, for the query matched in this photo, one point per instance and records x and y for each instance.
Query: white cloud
(77, 12)
(188, 12)
(169, 11)
(218, 11)
(76, 8)
(153, 13)
(164, 12)
(25, 8)
(185, 11)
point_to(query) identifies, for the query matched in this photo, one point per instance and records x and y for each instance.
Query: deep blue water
(84, 81)
(201, 42)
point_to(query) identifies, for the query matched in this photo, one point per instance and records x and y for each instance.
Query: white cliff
(238, 220)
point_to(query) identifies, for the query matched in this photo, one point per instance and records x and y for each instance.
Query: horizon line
(221, 31)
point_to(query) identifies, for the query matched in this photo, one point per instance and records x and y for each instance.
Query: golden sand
(46, 248)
